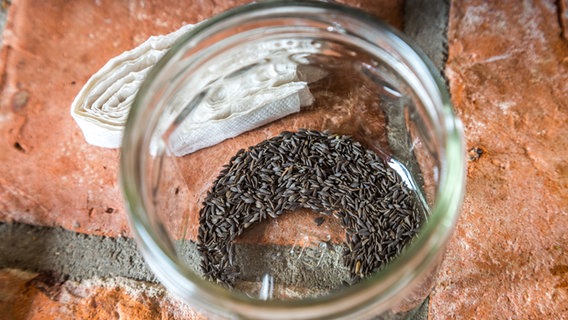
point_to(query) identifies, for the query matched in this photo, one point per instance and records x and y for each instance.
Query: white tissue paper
(232, 105)
(101, 107)
(269, 105)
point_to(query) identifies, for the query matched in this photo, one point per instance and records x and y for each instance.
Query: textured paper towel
(269, 92)
(269, 105)
(101, 107)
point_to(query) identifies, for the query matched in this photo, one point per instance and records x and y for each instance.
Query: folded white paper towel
(101, 107)
(233, 105)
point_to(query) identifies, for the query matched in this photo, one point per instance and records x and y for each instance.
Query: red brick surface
(25, 295)
(508, 72)
(48, 174)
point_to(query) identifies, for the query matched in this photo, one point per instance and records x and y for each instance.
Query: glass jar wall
(294, 160)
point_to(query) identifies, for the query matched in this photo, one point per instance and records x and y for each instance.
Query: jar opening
(310, 58)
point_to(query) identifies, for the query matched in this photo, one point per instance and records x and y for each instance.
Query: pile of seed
(329, 174)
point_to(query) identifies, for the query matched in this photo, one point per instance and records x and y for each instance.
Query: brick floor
(26, 295)
(49, 175)
(507, 71)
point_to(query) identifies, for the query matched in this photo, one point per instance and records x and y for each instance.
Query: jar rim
(376, 288)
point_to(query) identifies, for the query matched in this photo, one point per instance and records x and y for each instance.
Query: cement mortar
(78, 256)
(426, 22)
(3, 17)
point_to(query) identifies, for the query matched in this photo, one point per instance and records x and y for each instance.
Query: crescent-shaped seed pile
(327, 173)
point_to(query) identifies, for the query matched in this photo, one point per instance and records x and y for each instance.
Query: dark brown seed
(319, 221)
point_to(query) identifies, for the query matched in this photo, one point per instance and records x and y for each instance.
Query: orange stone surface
(508, 75)
(49, 175)
(25, 295)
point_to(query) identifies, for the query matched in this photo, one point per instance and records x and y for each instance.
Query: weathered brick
(49, 175)
(508, 75)
(25, 295)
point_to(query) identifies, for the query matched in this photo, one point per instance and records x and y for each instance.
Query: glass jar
(248, 75)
